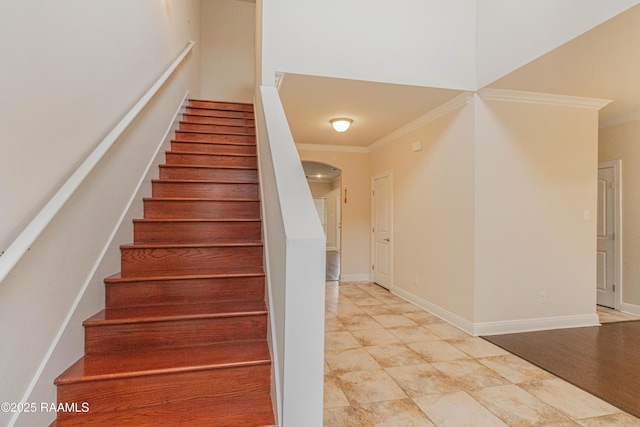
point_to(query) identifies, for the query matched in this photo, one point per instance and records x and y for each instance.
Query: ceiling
(603, 63)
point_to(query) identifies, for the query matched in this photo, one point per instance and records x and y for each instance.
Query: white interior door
(382, 251)
(338, 221)
(606, 250)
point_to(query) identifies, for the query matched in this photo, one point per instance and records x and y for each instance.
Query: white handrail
(23, 242)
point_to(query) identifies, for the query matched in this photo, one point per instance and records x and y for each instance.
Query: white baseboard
(500, 327)
(537, 324)
(355, 278)
(452, 318)
(332, 248)
(630, 308)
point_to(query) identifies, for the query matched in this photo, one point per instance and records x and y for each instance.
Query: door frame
(617, 227)
(389, 174)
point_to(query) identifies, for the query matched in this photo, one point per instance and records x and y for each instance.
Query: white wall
(620, 142)
(513, 33)
(414, 42)
(228, 51)
(535, 175)
(433, 208)
(75, 70)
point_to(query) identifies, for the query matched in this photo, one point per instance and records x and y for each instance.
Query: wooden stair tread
(204, 153)
(199, 199)
(221, 167)
(221, 105)
(189, 220)
(203, 181)
(117, 278)
(249, 410)
(167, 360)
(243, 143)
(191, 245)
(157, 313)
(217, 132)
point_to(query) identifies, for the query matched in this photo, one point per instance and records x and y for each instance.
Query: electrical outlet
(543, 297)
(415, 280)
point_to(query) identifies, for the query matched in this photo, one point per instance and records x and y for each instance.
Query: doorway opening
(325, 183)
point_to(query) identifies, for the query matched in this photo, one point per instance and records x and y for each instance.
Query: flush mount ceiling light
(341, 125)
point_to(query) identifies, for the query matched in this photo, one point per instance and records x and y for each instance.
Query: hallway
(390, 363)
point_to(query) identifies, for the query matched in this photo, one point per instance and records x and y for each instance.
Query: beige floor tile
(569, 399)
(470, 374)
(333, 395)
(332, 324)
(359, 322)
(378, 309)
(394, 320)
(447, 331)
(413, 334)
(422, 380)
(372, 337)
(616, 420)
(339, 340)
(393, 413)
(477, 347)
(395, 355)
(516, 407)
(437, 351)
(350, 360)
(341, 417)
(366, 301)
(422, 317)
(369, 386)
(402, 306)
(457, 409)
(515, 369)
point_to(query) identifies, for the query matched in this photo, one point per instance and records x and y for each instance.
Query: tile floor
(389, 363)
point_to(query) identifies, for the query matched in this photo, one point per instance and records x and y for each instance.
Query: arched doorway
(325, 184)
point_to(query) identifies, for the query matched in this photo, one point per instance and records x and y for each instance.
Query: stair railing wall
(57, 283)
(295, 261)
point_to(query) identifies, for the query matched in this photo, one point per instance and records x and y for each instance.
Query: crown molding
(457, 102)
(614, 121)
(489, 94)
(342, 148)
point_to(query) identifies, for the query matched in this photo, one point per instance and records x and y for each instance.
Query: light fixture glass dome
(342, 124)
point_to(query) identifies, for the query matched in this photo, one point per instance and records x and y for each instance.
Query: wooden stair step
(249, 410)
(195, 230)
(145, 291)
(206, 173)
(185, 135)
(213, 148)
(248, 161)
(171, 260)
(213, 208)
(126, 364)
(208, 112)
(168, 326)
(208, 128)
(221, 105)
(212, 120)
(208, 189)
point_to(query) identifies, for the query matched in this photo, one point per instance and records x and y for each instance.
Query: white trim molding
(355, 278)
(455, 103)
(444, 314)
(617, 214)
(489, 94)
(630, 308)
(537, 324)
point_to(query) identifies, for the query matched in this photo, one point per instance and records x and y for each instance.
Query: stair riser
(105, 338)
(205, 112)
(213, 148)
(225, 106)
(139, 262)
(212, 160)
(187, 291)
(208, 174)
(195, 232)
(231, 130)
(209, 190)
(210, 209)
(138, 392)
(211, 137)
(225, 121)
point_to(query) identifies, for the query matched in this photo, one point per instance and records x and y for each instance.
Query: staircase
(182, 340)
